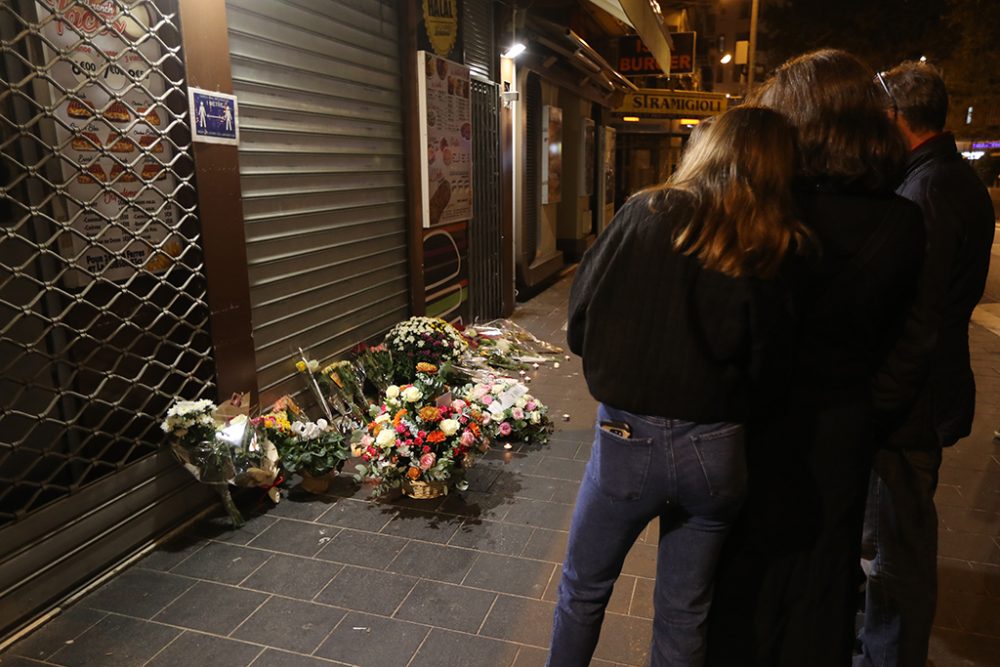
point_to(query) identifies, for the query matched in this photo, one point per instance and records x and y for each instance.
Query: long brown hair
(845, 136)
(738, 175)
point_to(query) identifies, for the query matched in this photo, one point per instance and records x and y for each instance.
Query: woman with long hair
(788, 579)
(672, 310)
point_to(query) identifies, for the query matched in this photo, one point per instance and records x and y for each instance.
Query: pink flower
(505, 429)
(529, 406)
(517, 413)
(487, 399)
(487, 418)
(458, 404)
(367, 441)
(468, 437)
(427, 461)
(400, 428)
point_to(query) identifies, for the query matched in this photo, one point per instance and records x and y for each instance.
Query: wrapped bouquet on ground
(420, 441)
(508, 411)
(219, 447)
(374, 363)
(506, 345)
(337, 388)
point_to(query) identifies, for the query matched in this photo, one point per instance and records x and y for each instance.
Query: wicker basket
(425, 490)
(316, 485)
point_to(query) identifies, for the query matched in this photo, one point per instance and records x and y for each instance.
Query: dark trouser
(901, 532)
(691, 476)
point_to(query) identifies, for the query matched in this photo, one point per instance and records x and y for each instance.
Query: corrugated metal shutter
(321, 164)
(478, 38)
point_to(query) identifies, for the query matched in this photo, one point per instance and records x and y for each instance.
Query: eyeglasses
(885, 86)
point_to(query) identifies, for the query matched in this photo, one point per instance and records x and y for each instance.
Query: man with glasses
(901, 522)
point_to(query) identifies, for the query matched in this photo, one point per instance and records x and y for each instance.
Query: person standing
(675, 311)
(787, 589)
(901, 522)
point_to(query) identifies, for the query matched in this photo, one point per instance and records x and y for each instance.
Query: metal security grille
(486, 295)
(102, 295)
(321, 168)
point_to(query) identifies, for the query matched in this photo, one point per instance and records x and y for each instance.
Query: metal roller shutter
(321, 166)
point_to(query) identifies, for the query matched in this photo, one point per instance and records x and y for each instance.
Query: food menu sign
(110, 133)
(446, 133)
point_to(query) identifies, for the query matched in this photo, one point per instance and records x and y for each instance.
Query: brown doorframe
(220, 210)
(413, 153)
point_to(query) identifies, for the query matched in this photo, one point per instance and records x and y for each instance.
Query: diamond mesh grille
(103, 315)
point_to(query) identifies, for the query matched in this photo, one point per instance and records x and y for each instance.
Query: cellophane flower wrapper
(315, 382)
(375, 364)
(196, 444)
(345, 390)
(418, 436)
(505, 345)
(509, 411)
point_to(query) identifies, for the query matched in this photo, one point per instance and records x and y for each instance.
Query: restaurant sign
(652, 102)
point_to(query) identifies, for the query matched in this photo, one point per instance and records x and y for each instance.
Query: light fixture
(923, 59)
(630, 119)
(516, 49)
(690, 122)
(726, 59)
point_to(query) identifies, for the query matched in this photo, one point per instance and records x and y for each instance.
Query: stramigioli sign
(651, 102)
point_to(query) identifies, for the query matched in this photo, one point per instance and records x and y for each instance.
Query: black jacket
(661, 335)
(930, 366)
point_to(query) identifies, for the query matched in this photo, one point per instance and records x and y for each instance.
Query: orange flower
(430, 413)
(474, 427)
(413, 473)
(399, 416)
(436, 436)
(424, 367)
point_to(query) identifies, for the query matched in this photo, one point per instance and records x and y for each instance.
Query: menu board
(446, 132)
(110, 131)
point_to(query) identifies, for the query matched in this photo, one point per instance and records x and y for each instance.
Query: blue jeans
(901, 535)
(691, 476)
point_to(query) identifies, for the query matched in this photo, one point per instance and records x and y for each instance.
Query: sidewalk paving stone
(468, 579)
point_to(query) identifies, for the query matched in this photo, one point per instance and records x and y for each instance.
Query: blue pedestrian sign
(214, 117)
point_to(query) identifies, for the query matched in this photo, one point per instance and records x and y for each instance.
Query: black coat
(785, 594)
(660, 334)
(926, 388)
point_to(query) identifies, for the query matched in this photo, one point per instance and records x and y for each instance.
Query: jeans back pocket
(620, 465)
(722, 457)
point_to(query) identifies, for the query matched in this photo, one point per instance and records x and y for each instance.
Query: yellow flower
(300, 366)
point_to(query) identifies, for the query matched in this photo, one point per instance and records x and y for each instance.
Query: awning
(578, 54)
(646, 18)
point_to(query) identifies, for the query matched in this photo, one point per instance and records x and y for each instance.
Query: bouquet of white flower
(219, 447)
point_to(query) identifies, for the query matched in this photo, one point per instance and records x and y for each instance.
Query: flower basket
(428, 340)
(424, 490)
(316, 484)
(420, 439)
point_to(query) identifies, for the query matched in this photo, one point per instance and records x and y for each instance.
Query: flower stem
(227, 501)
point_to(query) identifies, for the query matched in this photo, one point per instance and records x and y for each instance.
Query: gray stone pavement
(468, 580)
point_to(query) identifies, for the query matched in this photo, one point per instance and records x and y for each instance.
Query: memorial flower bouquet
(336, 387)
(508, 411)
(375, 364)
(418, 444)
(311, 449)
(219, 447)
(423, 339)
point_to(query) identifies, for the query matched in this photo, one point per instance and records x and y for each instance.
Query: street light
(726, 59)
